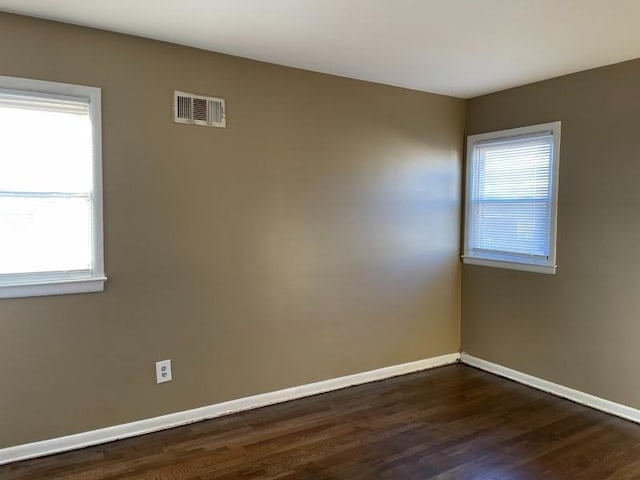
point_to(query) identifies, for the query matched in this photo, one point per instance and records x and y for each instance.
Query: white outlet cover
(163, 371)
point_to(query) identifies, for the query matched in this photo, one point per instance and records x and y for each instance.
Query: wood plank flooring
(453, 422)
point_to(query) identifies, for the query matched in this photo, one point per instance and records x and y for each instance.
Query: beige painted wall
(581, 327)
(315, 237)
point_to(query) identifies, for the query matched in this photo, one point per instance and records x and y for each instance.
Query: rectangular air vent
(199, 110)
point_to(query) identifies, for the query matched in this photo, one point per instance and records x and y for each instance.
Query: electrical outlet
(163, 371)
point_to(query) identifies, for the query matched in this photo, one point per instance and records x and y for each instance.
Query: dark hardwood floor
(449, 423)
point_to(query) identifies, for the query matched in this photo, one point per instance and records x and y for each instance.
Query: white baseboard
(140, 427)
(577, 396)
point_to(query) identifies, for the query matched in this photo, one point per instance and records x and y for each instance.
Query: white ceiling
(463, 48)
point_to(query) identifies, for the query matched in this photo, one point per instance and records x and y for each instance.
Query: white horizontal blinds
(45, 184)
(511, 197)
(48, 103)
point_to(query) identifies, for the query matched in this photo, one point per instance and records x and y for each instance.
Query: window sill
(52, 287)
(525, 267)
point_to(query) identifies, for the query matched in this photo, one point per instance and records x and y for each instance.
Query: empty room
(319, 239)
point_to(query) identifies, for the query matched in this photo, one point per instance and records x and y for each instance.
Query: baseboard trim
(607, 406)
(141, 427)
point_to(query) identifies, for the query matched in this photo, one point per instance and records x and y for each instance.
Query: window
(50, 189)
(512, 186)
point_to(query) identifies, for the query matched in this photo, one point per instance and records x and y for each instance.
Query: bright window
(512, 184)
(50, 189)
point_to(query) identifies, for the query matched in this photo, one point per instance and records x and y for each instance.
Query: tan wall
(315, 237)
(581, 327)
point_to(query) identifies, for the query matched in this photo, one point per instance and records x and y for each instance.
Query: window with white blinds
(511, 198)
(50, 189)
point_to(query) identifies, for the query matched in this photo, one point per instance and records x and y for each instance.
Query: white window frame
(57, 284)
(530, 265)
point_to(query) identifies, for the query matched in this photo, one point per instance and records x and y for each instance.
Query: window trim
(529, 265)
(39, 285)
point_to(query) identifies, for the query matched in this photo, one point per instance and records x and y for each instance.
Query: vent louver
(199, 110)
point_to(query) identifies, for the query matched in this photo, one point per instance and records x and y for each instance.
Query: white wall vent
(199, 110)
